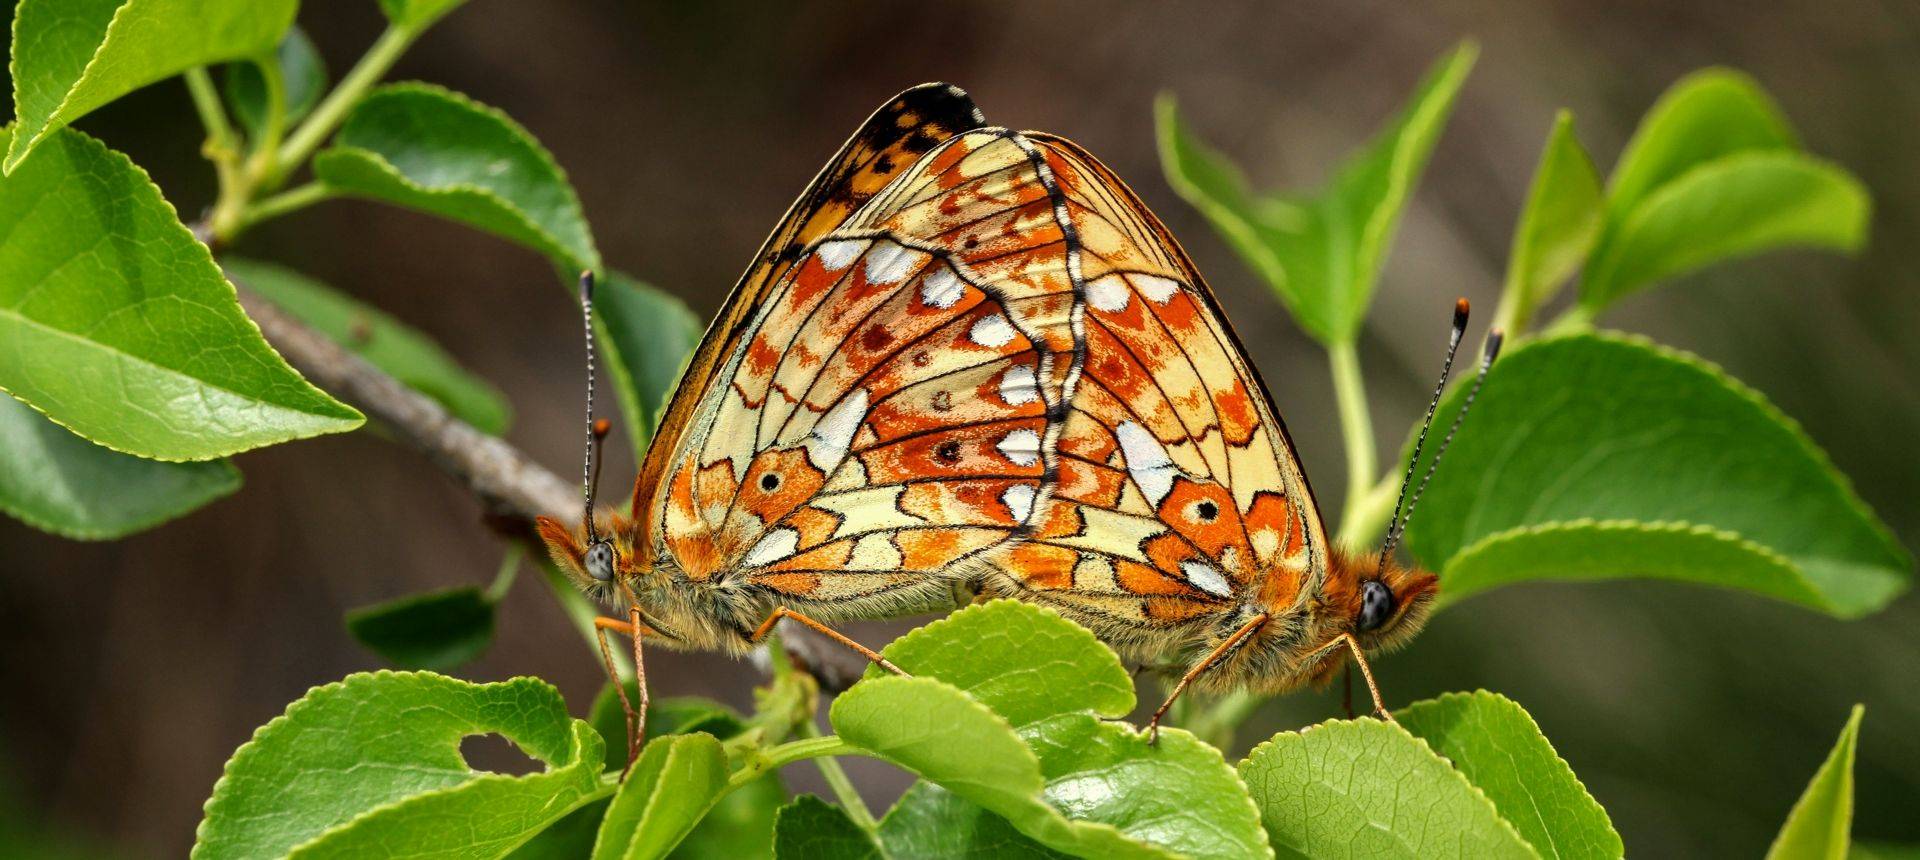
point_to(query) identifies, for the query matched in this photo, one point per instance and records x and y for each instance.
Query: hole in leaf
(495, 754)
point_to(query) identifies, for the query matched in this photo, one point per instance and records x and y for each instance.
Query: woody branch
(509, 484)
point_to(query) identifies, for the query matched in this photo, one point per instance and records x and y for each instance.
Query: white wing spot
(1157, 288)
(1019, 501)
(1021, 447)
(831, 438)
(890, 263)
(1109, 294)
(1147, 461)
(941, 288)
(840, 253)
(778, 544)
(992, 330)
(1206, 578)
(1018, 386)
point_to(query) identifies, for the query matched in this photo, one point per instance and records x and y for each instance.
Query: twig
(513, 488)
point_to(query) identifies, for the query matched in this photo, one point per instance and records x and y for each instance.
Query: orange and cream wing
(889, 411)
(1178, 493)
(887, 145)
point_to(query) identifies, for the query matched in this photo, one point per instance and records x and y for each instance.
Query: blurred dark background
(131, 670)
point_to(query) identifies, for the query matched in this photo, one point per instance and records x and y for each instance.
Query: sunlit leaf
(1821, 823)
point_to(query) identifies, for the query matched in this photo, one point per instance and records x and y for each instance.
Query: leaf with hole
(58, 482)
(1031, 739)
(1497, 746)
(70, 57)
(1821, 823)
(372, 764)
(1603, 455)
(388, 344)
(115, 322)
(1322, 255)
(1366, 788)
(431, 149)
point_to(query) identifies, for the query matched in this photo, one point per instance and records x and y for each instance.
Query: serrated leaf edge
(248, 750)
(1239, 769)
(1809, 448)
(1667, 526)
(1477, 694)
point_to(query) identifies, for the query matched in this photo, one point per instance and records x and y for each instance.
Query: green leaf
(303, 79)
(1558, 226)
(674, 716)
(72, 56)
(417, 15)
(116, 323)
(1366, 788)
(429, 148)
(1321, 255)
(1031, 740)
(677, 779)
(740, 826)
(930, 821)
(570, 838)
(372, 764)
(1703, 117)
(1604, 455)
(1499, 749)
(648, 336)
(1734, 207)
(810, 827)
(58, 482)
(386, 343)
(1822, 820)
(438, 630)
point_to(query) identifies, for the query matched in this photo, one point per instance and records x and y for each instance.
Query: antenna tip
(586, 284)
(1460, 309)
(601, 427)
(1494, 339)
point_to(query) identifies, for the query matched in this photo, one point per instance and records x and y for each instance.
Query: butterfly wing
(888, 144)
(889, 409)
(1179, 494)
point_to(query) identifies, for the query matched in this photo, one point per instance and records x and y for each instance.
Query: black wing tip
(942, 99)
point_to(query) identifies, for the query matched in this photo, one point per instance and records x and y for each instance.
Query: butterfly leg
(1366, 673)
(767, 626)
(1212, 659)
(636, 718)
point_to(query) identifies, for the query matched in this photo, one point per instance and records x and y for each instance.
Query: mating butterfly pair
(970, 357)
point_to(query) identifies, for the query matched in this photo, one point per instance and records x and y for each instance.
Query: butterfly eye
(1376, 604)
(769, 482)
(599, 561)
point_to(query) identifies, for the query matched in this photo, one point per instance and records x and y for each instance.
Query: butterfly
(971, 358)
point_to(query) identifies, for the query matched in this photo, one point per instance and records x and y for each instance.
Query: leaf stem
(836, 777)
(286, 202)
(223, 149)
(1356, 424)
(332, 110)
(785, 754)
(509, 570)
(262, 163)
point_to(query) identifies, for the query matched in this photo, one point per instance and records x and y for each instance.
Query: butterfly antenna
(1460, 311)
(596, 429)
(1494, 339)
